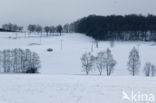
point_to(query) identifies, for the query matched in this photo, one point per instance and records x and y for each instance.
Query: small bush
(49, 49)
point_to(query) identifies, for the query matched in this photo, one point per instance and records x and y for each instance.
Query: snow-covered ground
(61, 79)
(71, 89)
(67, 59)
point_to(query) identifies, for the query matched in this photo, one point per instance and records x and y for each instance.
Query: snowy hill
(61, 79)
(65, 59)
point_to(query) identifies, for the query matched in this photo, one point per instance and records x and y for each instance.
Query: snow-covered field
(70, 89)
(61, 79)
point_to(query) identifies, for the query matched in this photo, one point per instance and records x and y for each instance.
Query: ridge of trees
(118, 27)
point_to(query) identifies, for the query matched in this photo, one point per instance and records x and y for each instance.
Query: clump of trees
(49, 30)
(103, 61)
(12, 27)
(35, 28)
(118, 27)
(19, 61)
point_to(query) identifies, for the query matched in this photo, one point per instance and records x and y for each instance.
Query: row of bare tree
(104, 62)
(48, 29)
(38, 28)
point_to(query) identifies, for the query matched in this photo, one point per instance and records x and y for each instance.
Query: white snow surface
(61, 79)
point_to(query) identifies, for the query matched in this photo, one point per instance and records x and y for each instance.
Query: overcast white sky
(53, 12)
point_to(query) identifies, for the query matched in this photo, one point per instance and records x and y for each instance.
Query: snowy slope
(67, 59)
(61, 79)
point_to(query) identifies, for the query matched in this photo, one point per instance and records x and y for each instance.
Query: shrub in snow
(149, 69)
(134, 61)
(32, 70)
(49, 49)
(19, 61)
(87, 62)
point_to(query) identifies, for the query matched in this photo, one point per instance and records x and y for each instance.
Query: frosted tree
(4, 61)
(15, 60)
(35, 63)
(153, 70)
(101, 61)
(110, 62)
(27, 59)
(1, 60)
(134, 61)
(87, 62)
(21, 60)
(9, 61)
(147, 69)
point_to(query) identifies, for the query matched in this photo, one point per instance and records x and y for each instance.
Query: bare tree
(47, 29)
(20, 28)
(52, 29)
(1, 60)
(87, 62)
(66, 28)
(15, 59)
(101, 61)
(153, 70)
(147, 69)
(31, 28)
(110, 62)
(35, 62)
(5, 60)
(59, 29)
(38, 29)
(134, 61)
